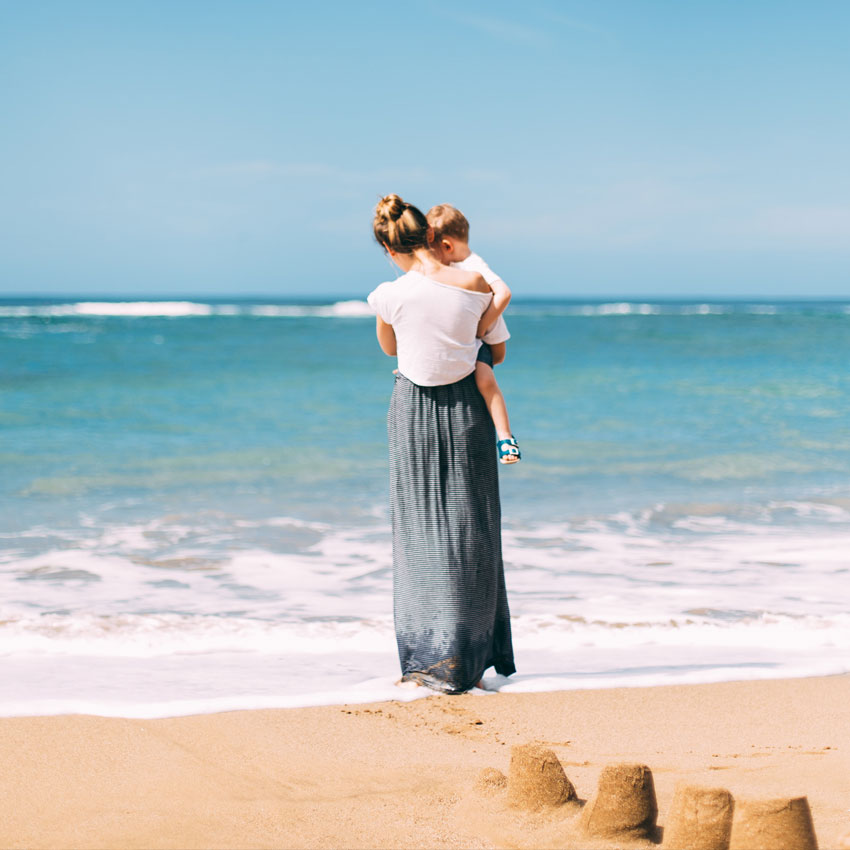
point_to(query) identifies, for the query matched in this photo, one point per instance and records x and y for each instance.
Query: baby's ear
(446, 246)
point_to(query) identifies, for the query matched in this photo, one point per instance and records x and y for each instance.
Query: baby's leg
(493, 398)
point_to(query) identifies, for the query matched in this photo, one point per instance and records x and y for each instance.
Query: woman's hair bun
(390, 208)
(399, 226)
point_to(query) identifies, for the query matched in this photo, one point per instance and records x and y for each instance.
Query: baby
(451, 247)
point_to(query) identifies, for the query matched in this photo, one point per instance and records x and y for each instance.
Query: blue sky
(598, 148)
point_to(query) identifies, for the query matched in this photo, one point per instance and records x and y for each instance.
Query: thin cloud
(267, 168)
(805, 226)
(483, 176)
(627, 214)
(657, 217)
(574, 23)
(502, 29)
(272, 170)
(521, 33)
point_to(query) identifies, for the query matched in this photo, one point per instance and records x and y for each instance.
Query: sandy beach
(404, 774)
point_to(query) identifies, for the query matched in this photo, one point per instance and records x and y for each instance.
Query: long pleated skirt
(449, 601)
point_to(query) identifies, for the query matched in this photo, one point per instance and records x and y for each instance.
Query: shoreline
(403, 774)
(385, 689)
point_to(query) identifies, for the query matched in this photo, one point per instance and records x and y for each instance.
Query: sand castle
(784, 824)
(624, 807)
(700, 818)
(536, 779)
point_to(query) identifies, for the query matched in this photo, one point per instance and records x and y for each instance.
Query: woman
(450, 606)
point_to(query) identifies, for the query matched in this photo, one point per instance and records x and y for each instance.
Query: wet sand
(404, 775)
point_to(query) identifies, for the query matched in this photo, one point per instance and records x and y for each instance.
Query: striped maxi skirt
(449, 600)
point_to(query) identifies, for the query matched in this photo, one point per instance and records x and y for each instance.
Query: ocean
(194, 500)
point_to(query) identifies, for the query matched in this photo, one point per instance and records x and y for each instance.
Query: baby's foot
(508, 450)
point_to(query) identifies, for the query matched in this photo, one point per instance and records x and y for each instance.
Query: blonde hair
(399, 226)
(448, 221)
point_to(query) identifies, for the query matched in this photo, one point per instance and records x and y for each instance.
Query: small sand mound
(699, 819)
(490, 781)
(784, 824)
(624, 805)
(536, 779)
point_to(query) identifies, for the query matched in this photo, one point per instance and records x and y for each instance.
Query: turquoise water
(140, 451)
(614, 411)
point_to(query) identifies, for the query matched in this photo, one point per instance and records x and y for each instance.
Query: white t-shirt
(474, 263)
(435, 325)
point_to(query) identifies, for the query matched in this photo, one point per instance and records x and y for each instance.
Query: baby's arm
(386, 337)
(501, 299)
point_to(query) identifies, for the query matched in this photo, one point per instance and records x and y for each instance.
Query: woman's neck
(421, 260)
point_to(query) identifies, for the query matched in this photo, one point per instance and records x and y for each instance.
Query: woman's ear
(430, 235)
(388, 249)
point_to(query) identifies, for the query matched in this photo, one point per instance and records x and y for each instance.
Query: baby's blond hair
(448, 221)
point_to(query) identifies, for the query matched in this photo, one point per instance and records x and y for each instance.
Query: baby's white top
(434, 326)
(474, 263)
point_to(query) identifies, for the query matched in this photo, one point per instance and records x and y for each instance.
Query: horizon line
(337, 297)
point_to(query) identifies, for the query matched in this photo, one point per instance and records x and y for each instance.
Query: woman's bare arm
(386, 337)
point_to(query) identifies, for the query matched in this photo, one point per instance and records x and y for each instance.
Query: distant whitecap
(353, 309)
(141, 308)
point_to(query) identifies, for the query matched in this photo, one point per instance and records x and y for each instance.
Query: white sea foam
(382, 690)
(590, 567)
(161, 635)
(276, 311)
(189, 683)
(112, 308)
(356, 309)
(359, 687)
(142, 308)
(341, 309)
(138, 619)
(621, 308)
(176, 309)
(615, 309)
(703, 310)
(350, 309)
